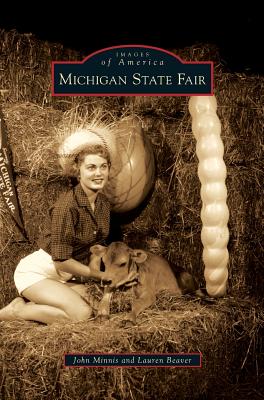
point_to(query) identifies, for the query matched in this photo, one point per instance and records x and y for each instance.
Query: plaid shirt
(72, 227)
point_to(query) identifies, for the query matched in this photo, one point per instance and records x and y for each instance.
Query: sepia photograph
(131, 222)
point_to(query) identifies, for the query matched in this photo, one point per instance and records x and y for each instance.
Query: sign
(168, 360)
(132, 70)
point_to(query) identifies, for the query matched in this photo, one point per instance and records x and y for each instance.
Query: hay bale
(188, 326)
(25, 66)
(31, 135)
(240, 109)
(9, 258)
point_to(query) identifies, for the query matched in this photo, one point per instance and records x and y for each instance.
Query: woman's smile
(94, 172)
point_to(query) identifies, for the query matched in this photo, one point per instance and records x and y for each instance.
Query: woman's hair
(96, 149)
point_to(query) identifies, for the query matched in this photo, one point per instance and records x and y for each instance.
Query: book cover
(159, 193)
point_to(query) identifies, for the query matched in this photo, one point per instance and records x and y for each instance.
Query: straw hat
(77, 141)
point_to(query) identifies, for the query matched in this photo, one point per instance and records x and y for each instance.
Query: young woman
(79, 219)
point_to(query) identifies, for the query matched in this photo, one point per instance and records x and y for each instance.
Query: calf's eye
(123, 264)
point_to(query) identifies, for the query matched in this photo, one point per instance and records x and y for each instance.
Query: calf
(147, 272)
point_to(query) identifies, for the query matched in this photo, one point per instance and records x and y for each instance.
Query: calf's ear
(139, 256)
(98, 250)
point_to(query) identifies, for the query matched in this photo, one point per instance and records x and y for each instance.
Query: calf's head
(119, 261)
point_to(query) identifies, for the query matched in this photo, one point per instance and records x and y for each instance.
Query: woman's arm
(76, 268)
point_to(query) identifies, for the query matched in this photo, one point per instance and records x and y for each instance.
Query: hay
(9, 258)
(240, 110)
(30, 130)
(187, 326)
(25, 66)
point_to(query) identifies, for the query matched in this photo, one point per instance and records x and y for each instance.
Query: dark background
(238, 34)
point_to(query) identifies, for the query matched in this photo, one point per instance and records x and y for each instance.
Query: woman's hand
(78, 269)
(100, 276)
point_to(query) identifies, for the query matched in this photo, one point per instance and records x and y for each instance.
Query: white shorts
(34, 268)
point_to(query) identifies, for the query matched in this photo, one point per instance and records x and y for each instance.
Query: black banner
(7, 187)
(132, 70)
(171, 360)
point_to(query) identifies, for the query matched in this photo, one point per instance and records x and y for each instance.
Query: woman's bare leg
(7, 313)
(79, 288)
(50, 301)
(84, 293)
